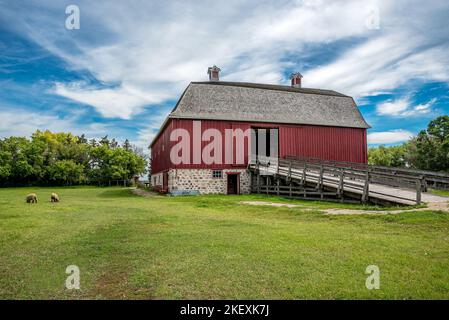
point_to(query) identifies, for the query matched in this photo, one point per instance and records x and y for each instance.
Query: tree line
(49, 158)
(429, 150)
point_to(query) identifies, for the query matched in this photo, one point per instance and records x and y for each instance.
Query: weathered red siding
(330, 143)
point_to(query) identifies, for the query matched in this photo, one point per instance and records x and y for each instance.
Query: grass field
(131, 247)
(444, 193)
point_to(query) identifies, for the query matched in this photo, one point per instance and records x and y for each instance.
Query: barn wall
(330, 143)
(160, 151)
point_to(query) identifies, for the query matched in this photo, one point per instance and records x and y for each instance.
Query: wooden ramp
(312, 178)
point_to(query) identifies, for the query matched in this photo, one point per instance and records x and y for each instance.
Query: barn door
(233, 183)
(265, 145)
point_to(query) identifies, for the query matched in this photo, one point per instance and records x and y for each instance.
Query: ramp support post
(290, 170)
(340, 184)
(268, 183)
(320, 179)
(418, 191)
(423, 183)
(304, 174)
(366, 187)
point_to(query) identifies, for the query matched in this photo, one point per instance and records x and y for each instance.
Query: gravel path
(144, 193)
(273, 204)
(433, 206)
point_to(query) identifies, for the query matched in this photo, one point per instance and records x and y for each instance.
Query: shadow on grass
(116, 193)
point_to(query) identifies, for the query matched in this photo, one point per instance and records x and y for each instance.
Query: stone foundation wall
(202, 180)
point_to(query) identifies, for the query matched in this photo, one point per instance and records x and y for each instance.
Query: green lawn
(210, 247)
(444, 193)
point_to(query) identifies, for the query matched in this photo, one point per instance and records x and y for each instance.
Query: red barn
(216, 127)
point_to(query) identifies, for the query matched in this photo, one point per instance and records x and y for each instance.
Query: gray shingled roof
(267, 103)
(240, 101)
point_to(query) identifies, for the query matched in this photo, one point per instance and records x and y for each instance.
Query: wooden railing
(437, 180)
(343, 177)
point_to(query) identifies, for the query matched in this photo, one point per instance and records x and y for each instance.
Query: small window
(217, 174)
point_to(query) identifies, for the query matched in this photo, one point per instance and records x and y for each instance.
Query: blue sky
(124, 69)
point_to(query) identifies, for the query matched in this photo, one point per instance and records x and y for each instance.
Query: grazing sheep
(31, 198)
(54, 197)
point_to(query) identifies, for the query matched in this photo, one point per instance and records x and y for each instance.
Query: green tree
(432, 146)
(127, 145)
(429, 150)
(14, 150)
(66, 172)
(62, 158)
(114, 164)
(104, 141)
(396, 156)
(5, 163)
(82, 139)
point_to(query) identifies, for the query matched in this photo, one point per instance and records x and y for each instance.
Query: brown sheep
(31, 198)
(54, 197)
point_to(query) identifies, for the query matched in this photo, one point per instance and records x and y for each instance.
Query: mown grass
(213, 247)
(444, 193)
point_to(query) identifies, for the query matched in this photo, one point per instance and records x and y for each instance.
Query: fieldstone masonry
(202, 180)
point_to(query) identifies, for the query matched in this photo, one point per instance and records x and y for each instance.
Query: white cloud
(24, 123)
(393, 136)
(146, 135)
(122, 102)
(150, 51)
(381, 65)
(409, 48)
(392, 108)
(404, 108)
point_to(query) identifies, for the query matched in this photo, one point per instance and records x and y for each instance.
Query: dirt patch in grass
(436, 206)
(433, 206)
(110, 285)
(116, 285)
(273, 204)
(145, 193)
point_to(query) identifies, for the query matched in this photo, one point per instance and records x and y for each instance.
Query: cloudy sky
(123, 70)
